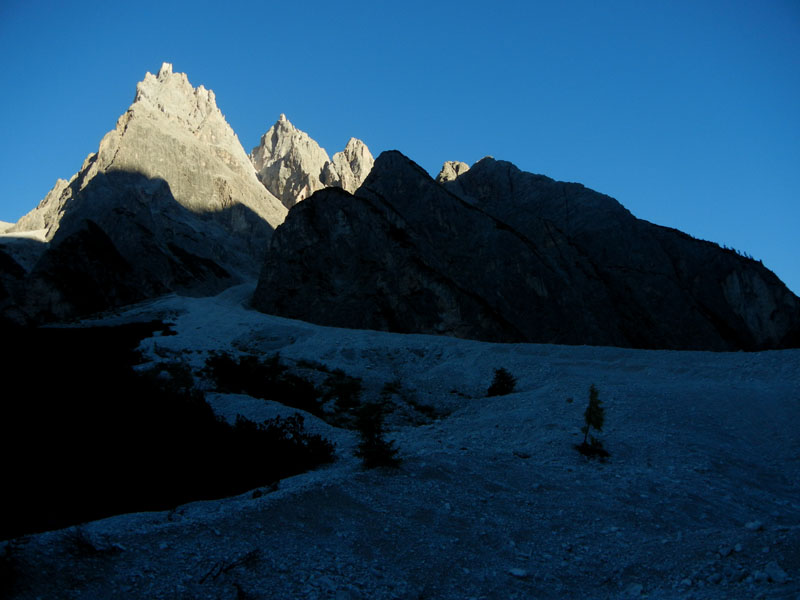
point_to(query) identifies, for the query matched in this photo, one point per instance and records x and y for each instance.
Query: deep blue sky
(687, 112)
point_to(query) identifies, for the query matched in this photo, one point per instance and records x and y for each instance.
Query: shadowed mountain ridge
(502, 255)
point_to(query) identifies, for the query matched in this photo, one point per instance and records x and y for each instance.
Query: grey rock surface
(451, 170)
(289, 163)
(171, 191)
(511, 256)
(351, 166)
(47, 214)
(176, 133)
(292, 166)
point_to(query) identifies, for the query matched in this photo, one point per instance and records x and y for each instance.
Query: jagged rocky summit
(170, 202)
(175, 133)
(494, 253)
(293, 166)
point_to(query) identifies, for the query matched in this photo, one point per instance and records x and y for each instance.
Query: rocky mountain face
(176, 133)
(170, 195)
(349, 168)
(293, 166)
(172, 203)
(668, 289)
(451, 170)
(496, 254)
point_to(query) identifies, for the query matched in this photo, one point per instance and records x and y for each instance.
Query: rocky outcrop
(175, 133)
(451, 170)
(170, 189)
(289, 163)
(350, 167)
(47, 215)
(510, 256)
(292, 166)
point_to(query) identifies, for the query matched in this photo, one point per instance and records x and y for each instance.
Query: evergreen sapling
(594, 417)
(373, 449)
(503, 383)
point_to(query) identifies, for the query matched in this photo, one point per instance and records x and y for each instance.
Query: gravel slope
(700, 499)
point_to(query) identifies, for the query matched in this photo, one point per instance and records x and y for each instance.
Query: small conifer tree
(503, 383)
(373, 449)
(594, 416)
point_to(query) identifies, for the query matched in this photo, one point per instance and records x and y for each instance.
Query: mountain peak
(292, 166)
(352, 165)
(394, 161)
(288, 162)
(175, 168)
(172, 95)
(165, 70)
(451, 170)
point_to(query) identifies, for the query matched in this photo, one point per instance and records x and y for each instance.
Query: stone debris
(775, 573)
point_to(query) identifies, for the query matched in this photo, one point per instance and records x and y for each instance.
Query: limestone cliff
(293, 166)
(170, 189)
(351, 166)
(176, 133)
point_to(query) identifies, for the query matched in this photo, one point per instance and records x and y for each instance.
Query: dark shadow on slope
(518, 258)
(12, 281)
(82, 436)
(526, 259)
(667, 289)
(124, 238)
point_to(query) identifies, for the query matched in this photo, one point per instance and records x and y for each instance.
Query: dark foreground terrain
(84, 435)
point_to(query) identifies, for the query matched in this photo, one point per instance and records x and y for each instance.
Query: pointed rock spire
(352, 165)
(289, 163)
(451, 170)
(176, 133)
(165, 70)
(171, 190)
(292, 166)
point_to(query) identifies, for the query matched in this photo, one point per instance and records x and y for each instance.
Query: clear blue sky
(687, 112)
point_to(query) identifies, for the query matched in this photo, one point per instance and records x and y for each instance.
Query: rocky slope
(667, 288)
(293, 166)
(501, 255)
(698, 500)
(170, 194)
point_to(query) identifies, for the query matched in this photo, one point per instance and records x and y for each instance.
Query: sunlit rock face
(292, 166)
(501, 255)
(350, 167)
(173, 192)
(451, 170)
(173, 132)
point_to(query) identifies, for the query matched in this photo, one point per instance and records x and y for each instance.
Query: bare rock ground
(700, 498)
